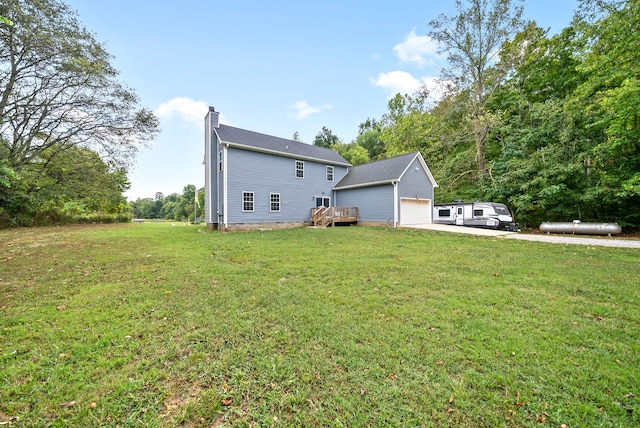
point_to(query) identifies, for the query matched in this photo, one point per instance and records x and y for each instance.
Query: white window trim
(296, 169)
(271, 195)
(333, 173)
(253, 201)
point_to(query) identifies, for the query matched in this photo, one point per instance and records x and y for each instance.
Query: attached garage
(415, 211)
(396, 191)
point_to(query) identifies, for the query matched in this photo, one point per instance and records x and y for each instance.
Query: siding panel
(415, 182)
(374, 203)
(264, 174)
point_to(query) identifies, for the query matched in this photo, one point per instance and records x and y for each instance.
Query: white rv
(476, 214)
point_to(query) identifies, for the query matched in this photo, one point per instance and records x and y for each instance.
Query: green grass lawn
(154, 325)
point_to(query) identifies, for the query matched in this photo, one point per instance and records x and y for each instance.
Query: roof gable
(255, 141)
(384, 171)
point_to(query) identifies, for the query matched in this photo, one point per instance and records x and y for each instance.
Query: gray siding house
(254, 180)
(397, 191)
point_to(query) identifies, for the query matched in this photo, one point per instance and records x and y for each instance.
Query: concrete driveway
(554, 239)
(462, 229)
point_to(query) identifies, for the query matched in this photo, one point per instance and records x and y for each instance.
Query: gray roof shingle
(266, 143)
(382, 171)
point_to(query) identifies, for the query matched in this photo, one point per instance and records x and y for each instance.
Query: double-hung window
(274, 202)
(247, 201)
(299, 169)
(220, 160)
(329, 173)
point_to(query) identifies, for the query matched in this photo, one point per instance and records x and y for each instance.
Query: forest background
(549, 125)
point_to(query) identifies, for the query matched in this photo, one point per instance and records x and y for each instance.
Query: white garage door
(414, 211)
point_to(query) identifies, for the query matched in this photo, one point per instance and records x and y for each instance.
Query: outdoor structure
(254, 180)
(396, 192)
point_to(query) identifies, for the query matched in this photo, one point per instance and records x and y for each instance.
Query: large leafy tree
(539, 147)
(610, 96)
(472, 40)
(80, 175)
(325, 138)
(58, 90)
(406, 124)
(370, 138)
(353, 153)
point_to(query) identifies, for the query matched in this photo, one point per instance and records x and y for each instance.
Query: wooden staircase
(325, 216)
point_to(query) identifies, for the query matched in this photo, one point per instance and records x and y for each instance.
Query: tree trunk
(480, 130)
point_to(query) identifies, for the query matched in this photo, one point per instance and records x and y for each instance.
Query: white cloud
(404, 83)
(302, 109)
(417, 49)
(397, 81)
(191, 111)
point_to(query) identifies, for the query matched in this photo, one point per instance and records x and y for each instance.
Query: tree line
(548, 124)
(187, 206)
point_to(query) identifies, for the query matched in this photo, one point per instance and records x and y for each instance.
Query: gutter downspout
(208, 200)
(224, 187)
(395, 204)
(217, 168)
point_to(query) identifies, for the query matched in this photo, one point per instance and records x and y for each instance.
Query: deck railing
(324, 216)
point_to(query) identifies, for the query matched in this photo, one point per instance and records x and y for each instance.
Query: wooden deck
(325, 216)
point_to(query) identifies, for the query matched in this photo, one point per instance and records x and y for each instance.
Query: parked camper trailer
(475, 214)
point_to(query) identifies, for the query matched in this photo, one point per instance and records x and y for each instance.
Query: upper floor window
(220, 160)
(299, 169)
(329, 173)
(247, 201)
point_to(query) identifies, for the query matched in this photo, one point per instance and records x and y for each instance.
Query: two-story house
(253, 180)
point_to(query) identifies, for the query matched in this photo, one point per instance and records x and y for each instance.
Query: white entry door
(323, 201)
(459, 216)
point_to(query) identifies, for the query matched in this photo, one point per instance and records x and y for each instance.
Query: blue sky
(275, 67)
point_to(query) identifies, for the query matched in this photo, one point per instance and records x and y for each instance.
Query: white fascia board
(374, 183)
(424, 167)
(428, 171)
